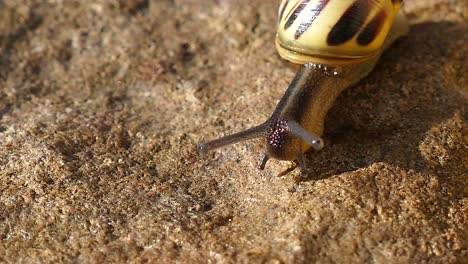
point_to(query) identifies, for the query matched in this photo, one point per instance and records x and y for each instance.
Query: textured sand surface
(103, 102)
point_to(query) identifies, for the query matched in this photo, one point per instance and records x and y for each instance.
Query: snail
(338, 43)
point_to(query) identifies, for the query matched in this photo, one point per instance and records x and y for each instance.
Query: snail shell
(336, 32)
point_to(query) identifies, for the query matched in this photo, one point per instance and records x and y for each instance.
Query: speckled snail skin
(338, 43)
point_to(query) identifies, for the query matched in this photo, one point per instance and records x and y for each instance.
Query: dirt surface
(103, 102)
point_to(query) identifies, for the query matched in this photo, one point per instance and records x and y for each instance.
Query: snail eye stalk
(298, 131)
(251, 133)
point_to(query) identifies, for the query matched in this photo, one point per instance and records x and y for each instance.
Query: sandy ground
(103, 102)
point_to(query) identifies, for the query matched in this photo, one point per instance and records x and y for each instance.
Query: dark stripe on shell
(372, 30)
(314, 12)
(396, 1)
(282, 10)
(350, 23)
(291, 10)
(295, 14)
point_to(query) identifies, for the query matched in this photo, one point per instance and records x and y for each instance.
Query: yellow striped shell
(333, 32)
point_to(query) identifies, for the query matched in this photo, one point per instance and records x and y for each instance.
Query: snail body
(338, 43)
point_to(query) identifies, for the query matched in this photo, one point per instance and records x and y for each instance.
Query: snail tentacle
(315, 141)
(263, 161)
(251, 133)
(302, 164)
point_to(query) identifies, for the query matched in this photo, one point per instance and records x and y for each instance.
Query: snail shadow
(387, 116)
